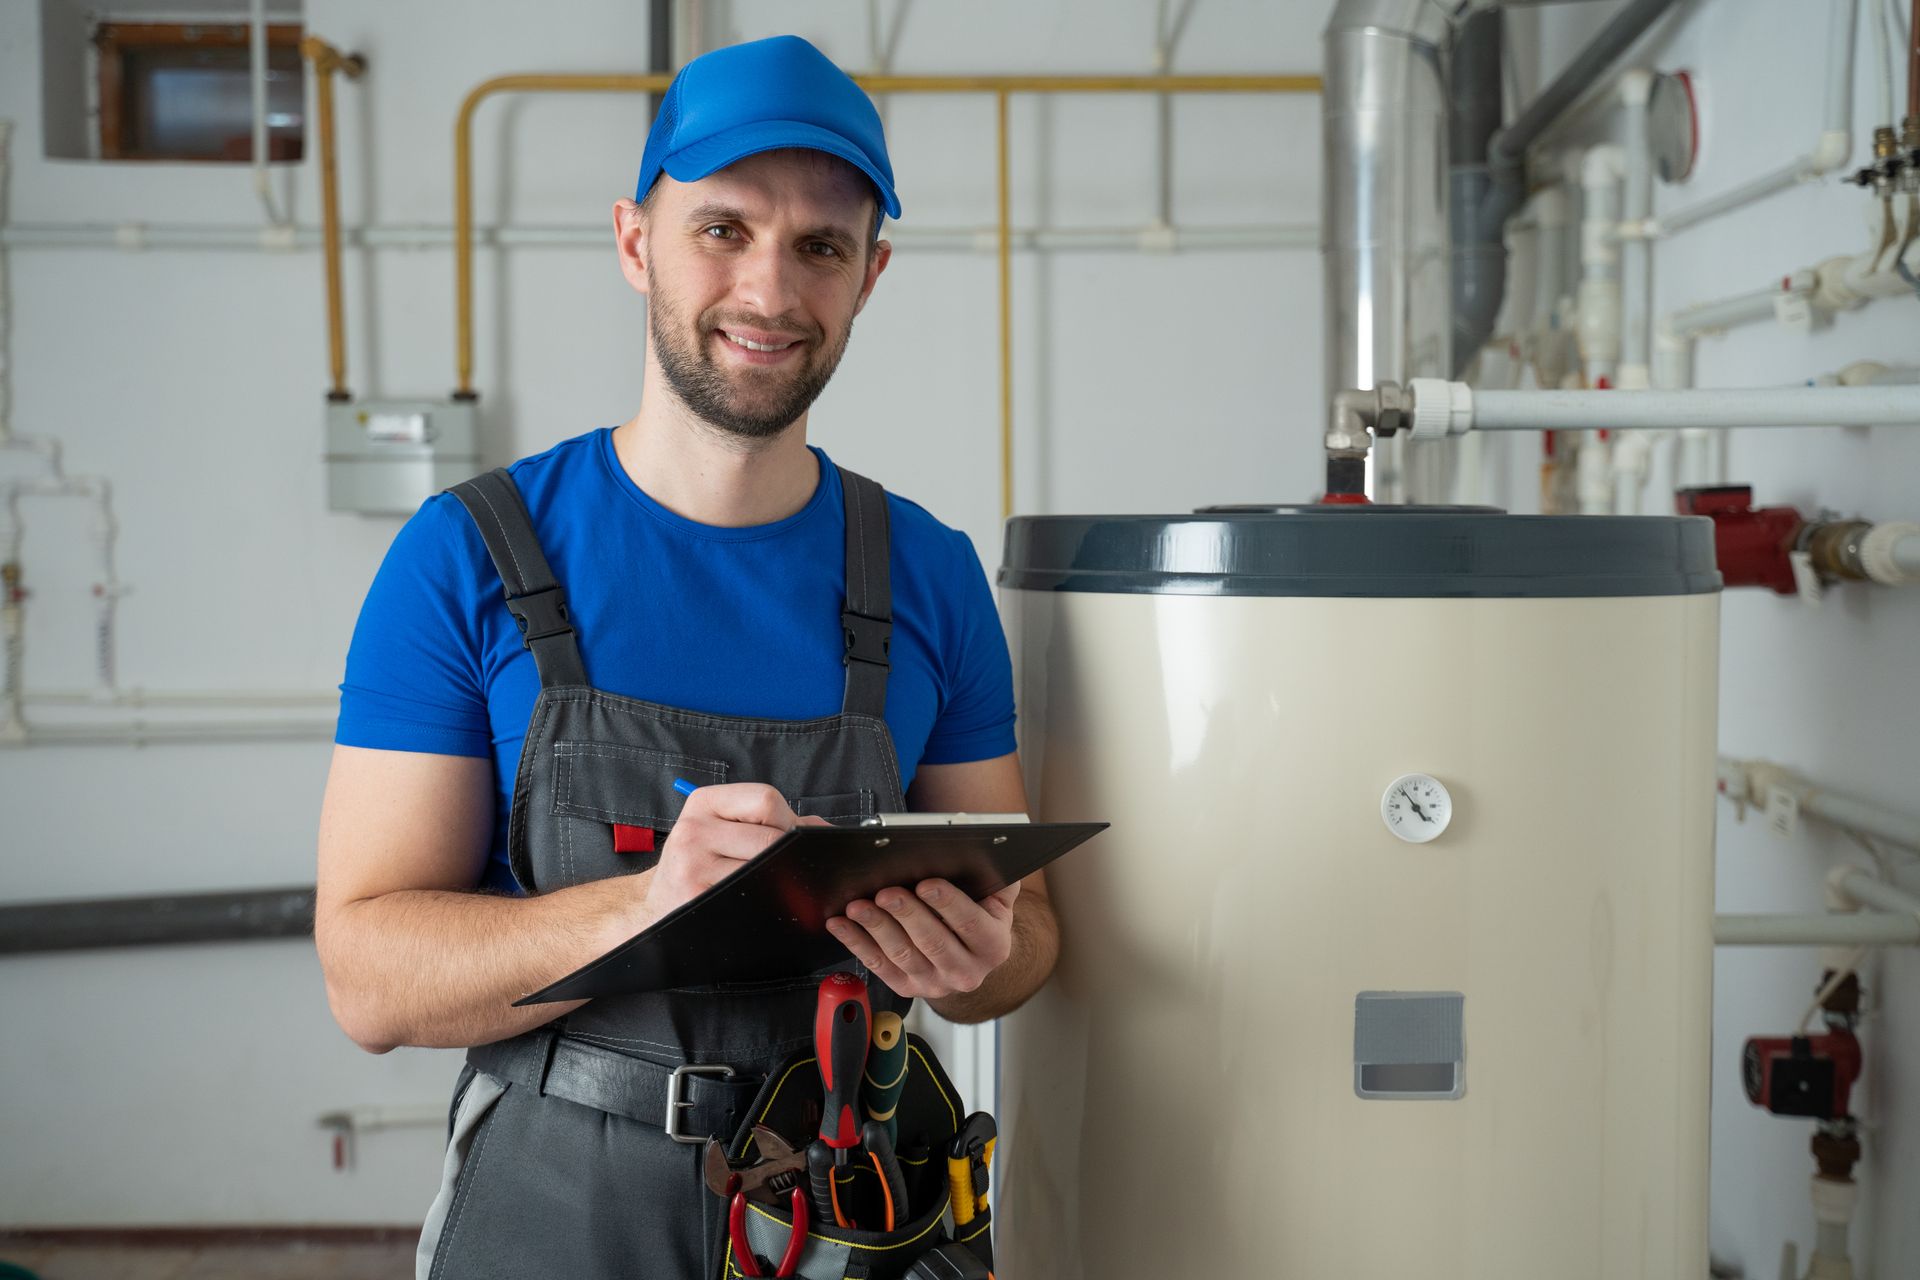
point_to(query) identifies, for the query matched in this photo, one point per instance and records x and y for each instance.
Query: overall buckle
(868, 638)
(677, 1102)
(540, 614)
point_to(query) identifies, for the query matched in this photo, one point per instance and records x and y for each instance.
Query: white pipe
(1600, 177)
(6, 303)
(1636, 256)
(1906, 555)
(107, 589)
(184, 699)
(372, 1119)
(1715, 408)
(257, 48)
(1867, 889)
(139, 733)
(1839, 929)
(1748, 782)
(139, 236)
(1829, 152)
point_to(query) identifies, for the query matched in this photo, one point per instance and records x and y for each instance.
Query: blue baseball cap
(747, 98)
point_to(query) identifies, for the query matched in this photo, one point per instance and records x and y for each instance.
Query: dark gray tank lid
(1387, 551)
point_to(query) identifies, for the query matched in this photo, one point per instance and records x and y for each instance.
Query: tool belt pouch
(930, 1111)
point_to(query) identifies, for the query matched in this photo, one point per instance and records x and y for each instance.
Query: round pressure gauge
(1416, 808)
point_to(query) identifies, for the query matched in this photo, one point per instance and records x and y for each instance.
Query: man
(694, 594)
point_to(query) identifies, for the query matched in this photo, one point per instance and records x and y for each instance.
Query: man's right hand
(720, 828)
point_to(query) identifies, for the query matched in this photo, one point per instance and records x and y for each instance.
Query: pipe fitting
(1890, 553)
(1439, 408)
(1358, 414)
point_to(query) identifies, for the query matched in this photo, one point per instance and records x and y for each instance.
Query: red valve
(1750, 543)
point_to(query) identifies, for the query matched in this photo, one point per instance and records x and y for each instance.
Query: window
(184, 91)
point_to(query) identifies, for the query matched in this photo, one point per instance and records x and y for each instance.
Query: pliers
(743, 1255)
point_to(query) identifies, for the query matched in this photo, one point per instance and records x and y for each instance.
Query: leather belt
(690, 1102)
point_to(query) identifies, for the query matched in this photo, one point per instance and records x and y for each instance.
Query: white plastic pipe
(1906, 554)
(1715, 409)
(1829, 152)
(6, 318)
(1636, 255)
(135, 237)
(107, 587)
(142, 733)
(1837, 929)
(1749, 782)
(257, 46)
(1600, 178)
(1869, 890)
(372, 1119)
(185, 699)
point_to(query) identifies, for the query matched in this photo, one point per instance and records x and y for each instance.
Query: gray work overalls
(575, 1149)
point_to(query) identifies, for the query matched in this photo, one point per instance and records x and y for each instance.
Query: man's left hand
(932, 942)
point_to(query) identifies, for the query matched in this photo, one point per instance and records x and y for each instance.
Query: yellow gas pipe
(326, 60)
(1000, 86)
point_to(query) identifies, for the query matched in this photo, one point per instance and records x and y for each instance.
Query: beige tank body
(1180, 1100)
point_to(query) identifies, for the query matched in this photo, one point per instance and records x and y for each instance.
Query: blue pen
(684, 787)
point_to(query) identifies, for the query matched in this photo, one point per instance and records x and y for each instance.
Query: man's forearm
(1036, 947)
(442, 969)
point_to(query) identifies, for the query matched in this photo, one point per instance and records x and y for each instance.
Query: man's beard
(752, 404)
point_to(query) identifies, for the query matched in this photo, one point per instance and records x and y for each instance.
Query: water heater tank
(1397, 959)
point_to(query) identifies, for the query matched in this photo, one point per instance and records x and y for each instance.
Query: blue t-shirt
(742, 622)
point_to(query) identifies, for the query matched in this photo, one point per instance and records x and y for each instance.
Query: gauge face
(1416, 808)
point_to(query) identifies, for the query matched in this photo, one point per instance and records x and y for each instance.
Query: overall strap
(534, 599)
(868, 616)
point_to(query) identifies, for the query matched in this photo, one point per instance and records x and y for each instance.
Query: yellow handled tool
(968, 1158)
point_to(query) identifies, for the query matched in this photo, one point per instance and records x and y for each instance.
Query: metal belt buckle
(675, 1102)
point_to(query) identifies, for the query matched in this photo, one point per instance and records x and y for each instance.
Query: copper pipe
(1000, 86)
(326, 60)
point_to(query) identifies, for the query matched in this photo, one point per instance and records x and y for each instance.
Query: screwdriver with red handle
(842, 1028)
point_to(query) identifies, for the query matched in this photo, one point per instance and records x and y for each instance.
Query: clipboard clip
(945, 820)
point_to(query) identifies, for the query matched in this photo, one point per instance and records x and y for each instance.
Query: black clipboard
(768, 919)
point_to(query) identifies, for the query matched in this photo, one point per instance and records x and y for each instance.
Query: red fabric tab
(632, 839)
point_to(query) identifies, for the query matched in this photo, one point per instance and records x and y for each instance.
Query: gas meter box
(386, 457)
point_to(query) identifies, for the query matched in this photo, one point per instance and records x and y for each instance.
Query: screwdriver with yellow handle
(886, 1073)
(968, 1156)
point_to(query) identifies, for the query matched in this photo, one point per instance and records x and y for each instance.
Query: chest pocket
(606, 794)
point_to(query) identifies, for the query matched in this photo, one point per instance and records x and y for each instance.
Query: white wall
(195, 381)
(183, 1085)
(1833, 692)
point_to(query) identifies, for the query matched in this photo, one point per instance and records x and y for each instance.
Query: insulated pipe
(33, 927)
(1383, 201)
(1836, 929)
(1829, 151)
